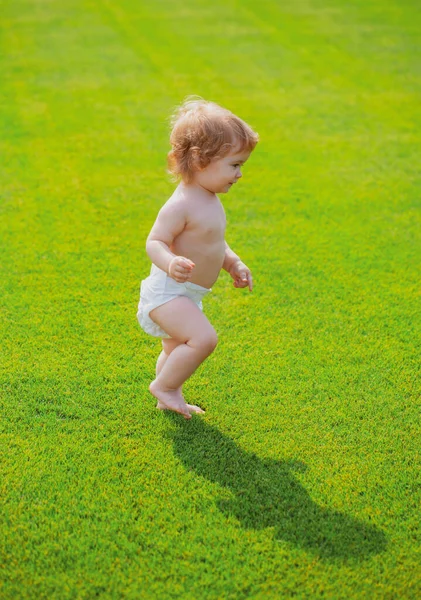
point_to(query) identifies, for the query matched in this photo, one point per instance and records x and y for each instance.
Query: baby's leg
(176, 402)
(183, 320)
(168, 346)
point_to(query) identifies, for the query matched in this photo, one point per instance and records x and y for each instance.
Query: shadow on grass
(267, 494)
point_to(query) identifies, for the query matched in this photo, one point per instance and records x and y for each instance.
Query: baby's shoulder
(176, 207)
(179, 202)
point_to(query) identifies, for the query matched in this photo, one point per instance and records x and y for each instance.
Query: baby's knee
(205, 342)
(212, 341)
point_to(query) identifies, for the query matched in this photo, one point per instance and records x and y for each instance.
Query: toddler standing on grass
(187, 244)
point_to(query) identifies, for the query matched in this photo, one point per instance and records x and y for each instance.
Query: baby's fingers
(181, 277)
(238, 283)
(186, 264)
(180, 268)
(247, 280)
(244, 280)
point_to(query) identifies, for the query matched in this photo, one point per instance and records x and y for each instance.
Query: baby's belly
(206, 273)
(208, 262)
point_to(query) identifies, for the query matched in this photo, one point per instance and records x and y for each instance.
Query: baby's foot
(195, 409)
(172, 400)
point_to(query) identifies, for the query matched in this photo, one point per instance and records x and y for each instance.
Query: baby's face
(221, 174)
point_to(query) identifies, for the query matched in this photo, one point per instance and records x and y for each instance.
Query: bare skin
(168, 347)
(188, 242)
(183, 320)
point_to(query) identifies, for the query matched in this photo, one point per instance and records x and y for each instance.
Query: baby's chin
(225, 189)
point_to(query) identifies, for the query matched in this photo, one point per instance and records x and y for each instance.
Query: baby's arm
(230, 258)
(237, 269)
(170, 222)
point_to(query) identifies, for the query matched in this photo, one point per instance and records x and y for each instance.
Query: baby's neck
(196, 189)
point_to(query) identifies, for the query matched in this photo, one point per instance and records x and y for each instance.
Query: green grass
(303, 478)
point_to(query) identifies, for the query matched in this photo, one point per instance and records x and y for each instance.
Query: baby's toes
(195, 409)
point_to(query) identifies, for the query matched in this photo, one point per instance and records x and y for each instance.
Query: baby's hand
(241, 275)
(180, 269)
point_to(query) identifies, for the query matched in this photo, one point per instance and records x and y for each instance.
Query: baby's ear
(196, 159)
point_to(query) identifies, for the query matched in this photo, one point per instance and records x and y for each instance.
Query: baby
(187, 244)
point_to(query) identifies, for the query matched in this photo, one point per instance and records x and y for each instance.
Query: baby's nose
(239, 174)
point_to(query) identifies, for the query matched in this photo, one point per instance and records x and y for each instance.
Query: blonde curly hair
(203, 131)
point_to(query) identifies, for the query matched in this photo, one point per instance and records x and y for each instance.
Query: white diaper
(159, 288)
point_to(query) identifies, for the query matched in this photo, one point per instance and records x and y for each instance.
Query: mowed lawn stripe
(302, 478)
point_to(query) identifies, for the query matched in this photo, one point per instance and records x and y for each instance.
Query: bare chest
(207, 223)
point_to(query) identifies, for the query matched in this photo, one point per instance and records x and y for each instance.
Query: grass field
(303, 478)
